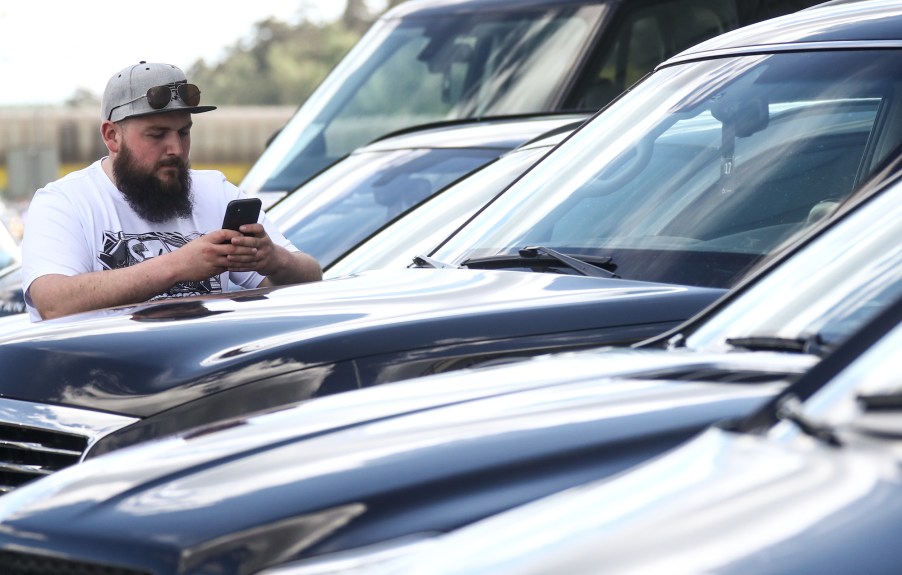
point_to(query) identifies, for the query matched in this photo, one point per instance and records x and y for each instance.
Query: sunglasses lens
(190, 94)
(158, 97)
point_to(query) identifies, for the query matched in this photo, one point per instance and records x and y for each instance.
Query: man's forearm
(59, 295)
(296, 267)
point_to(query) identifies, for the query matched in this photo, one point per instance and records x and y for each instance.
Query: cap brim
(190, 110)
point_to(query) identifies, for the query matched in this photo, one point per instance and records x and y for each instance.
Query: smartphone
(241, 211)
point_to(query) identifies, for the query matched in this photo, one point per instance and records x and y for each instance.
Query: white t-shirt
(81, 223)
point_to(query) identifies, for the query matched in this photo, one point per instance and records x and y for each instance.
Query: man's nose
(175, 145)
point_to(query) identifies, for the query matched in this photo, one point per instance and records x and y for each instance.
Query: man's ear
(112, 136)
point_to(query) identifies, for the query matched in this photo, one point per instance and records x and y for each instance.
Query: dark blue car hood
(145, 359)
(412, 457)
(724, 503)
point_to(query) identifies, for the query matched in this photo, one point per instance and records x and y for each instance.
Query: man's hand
(202, 257)
(254, 251)
(57, 295)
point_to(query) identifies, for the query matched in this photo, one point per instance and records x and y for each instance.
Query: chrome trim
(93, 425)
(37, 447)
(34, 469)
(782, 48)
(37, 440)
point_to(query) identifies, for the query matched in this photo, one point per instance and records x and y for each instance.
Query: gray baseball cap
(148, 88)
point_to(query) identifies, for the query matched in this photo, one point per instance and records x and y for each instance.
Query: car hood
(324, 466)
(142, 360)
(723, 503)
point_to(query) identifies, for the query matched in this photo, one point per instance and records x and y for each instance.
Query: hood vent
(713, 374)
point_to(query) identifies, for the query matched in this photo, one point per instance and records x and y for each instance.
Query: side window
(764, 9)
(641, 37)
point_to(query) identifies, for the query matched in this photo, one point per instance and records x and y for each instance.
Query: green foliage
(282, 64)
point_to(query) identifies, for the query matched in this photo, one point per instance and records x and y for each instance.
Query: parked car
(433, 60)
(356, 196)
(641, 192)
(424, 226)
(385, 470)
(10, 253)
(12, 302)
(807, 484)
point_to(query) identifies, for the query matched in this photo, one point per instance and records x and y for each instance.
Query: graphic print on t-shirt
(121, 250)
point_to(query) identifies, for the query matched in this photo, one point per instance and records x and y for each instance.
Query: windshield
(420, 69)
(700, 171)
(342, 206)
(423, 227)
(838, 283)
(874, 373)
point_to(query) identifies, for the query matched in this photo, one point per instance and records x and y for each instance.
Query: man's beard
(153, 199)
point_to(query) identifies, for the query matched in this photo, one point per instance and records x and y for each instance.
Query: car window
(647, 35)
(839, 282)
(423, 69)
(874, 374)
(707, 168)
(424, 226)
(335, 211)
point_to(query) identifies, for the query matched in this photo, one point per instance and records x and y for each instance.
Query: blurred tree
(357, 16)
(282, 63)
(83, 97)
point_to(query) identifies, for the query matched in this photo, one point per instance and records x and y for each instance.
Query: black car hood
(142, 360)
(297, 476)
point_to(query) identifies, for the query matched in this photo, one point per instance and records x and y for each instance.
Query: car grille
(28, 453)
(14, 563)
(39, 439)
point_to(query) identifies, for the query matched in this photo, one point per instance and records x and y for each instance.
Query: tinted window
(644, 37)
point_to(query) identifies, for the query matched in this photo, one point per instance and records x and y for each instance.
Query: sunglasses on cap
(158, 97)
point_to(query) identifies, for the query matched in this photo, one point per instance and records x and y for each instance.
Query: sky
(51, 48)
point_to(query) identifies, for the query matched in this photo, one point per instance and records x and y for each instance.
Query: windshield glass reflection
(417, 70)
(838, 283)
(423, 227)
(700, 171)
(343, 206)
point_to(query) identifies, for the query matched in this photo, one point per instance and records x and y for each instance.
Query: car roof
(875, 23)
(505, 132)
(436, 7)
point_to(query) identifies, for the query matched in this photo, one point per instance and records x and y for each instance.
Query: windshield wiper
(790, 409)
(529, 257)
(881, 402)
(582, 267)
(812, 344)
(422, 261)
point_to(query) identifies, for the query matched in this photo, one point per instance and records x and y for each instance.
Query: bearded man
(140, 224)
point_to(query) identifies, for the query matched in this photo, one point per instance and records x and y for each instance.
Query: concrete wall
(226, 135)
